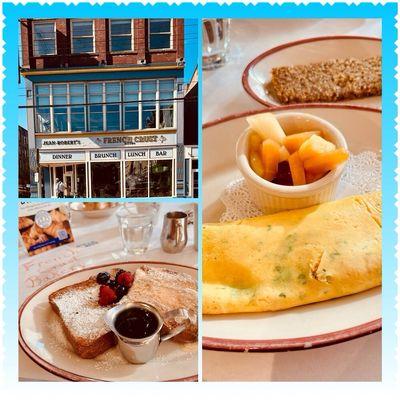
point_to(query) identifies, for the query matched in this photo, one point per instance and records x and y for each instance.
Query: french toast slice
(167, 290)
(82, 318)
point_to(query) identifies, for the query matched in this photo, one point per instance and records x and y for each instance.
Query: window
(82, 36)
(44, 39)
(113, 95)
(77, 101)
(121, 35)
(105, 106)
(106, 179)
(149, 89)
(43, 117)
(95, 95)
(136, 178)
(160, 178)
(60, 108)
(160, 33)
(131, 106)
(166, 89)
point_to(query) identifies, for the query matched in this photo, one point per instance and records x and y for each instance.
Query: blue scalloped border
(386, 13)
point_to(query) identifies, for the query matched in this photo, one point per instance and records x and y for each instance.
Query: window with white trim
(82, 36)
(105, 106)
(160, 34)
(44, 38)
(121, 35)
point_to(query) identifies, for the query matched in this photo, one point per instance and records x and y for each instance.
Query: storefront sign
(106, 141)
(105, 155)
(136, 154)
(161, 153)
(63, 157)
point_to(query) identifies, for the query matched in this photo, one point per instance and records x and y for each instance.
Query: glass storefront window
(160, 178)
(106, 180)
(136, 178)
(80, 180)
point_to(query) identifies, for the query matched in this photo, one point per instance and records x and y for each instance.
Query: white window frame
(104, 105)
(92, 36)
(132, 34)
(171, 38)
(34, 24)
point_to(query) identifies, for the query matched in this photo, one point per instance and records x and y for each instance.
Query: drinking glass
(136, 221)
(216, 42)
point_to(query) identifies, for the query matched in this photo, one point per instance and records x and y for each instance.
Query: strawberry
(107, 295)
(125, 279)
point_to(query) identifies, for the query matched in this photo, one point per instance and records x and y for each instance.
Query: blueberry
(121, 291)
(119, 272)
(112, 283)
(102, 278)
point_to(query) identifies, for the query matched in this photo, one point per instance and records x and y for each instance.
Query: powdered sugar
(361, 175)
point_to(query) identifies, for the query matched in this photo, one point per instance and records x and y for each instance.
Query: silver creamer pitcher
(142, 350)
(174, 234)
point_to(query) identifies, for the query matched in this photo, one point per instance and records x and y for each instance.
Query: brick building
(104, 102)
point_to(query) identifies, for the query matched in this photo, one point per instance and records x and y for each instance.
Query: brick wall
(102, 53)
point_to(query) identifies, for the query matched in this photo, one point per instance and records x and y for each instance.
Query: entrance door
(69, 183)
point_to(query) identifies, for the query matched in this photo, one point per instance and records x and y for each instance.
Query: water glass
(136, 221)
(216, 42)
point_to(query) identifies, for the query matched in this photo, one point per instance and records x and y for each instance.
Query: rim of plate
(246, 72)
(289, 107)
(307, 342)
(302, 343)
(67, 374)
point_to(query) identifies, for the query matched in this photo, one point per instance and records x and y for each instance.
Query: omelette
(293, 258)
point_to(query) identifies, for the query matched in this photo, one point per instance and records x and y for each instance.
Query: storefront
(141, 166)
(191, 171)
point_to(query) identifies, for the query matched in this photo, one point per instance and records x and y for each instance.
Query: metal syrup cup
(140, 351)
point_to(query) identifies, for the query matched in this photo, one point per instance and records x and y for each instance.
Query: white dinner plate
(302, 327)
(258, 71)
(41, 337)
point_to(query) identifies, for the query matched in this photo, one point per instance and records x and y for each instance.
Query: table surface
(223, 94)
(97, 241)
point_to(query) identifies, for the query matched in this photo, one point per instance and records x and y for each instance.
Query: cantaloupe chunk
(267, 126)
(297, 169)
(256, 163)
(314, 146)
(270, 155)
(293, 142)
(254, 141)
(325, 162)
(284, 154)
(310, 177)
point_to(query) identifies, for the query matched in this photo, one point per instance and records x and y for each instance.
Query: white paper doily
(361, 175)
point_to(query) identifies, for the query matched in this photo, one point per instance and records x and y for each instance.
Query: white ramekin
(271, 197)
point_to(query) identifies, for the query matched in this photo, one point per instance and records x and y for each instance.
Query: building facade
(104, 101)
(23, 165)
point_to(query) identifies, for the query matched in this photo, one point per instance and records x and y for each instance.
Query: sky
(191, 58)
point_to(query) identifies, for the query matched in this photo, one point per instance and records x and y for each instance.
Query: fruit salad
(295, 159)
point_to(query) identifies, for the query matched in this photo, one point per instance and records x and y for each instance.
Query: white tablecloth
(223, 94)
(97, 241)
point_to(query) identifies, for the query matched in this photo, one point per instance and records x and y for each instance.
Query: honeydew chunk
(297, 169)
(293, 142)
(254, 141)
(284, 154)
(314, 146)
(267, 126)
(325, 162)
(256, 163)
(270, 155)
